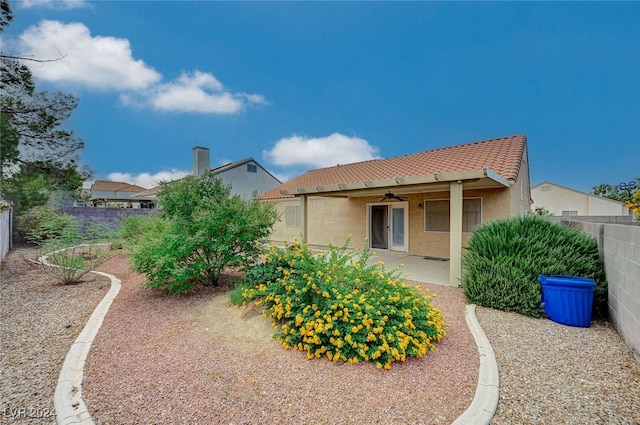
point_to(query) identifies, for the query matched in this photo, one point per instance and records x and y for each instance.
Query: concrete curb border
(67, 398)
(485, 400)
(70, 407)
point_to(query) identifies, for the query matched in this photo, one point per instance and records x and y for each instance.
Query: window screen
(436, 215)
(292, 216)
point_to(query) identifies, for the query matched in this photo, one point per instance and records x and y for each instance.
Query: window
(436, 215)
(292, 216)
(569, 212)
(252, 168)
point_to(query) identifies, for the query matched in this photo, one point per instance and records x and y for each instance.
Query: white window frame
(465, 228)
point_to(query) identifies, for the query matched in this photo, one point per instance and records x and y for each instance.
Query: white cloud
(107, 63)
(200, 92)
(54, 4)
(147, 180)
(94, 61)
(320, 151)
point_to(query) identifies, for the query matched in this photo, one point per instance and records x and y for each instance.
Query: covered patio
(410, 207)
(416, 267)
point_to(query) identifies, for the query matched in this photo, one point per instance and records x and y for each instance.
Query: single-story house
(425, 204)
(245, 176)
(560, 200)
(118, 194)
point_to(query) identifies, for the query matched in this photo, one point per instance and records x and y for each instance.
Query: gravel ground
(552, 373)
(39, 320)
(196, 359)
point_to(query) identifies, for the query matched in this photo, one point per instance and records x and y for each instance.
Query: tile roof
(502, 155)
(115, 186)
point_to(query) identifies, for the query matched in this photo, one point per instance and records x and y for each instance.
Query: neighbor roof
(115, 186)
(231, 165)
(503, 156)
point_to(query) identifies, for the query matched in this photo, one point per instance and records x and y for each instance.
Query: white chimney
(200, 160)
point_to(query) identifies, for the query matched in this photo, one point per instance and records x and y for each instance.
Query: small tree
(206, 230)
(64, 255)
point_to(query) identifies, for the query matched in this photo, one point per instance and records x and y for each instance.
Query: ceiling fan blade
(389, 195)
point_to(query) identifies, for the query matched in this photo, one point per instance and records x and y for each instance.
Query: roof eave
(341, 189)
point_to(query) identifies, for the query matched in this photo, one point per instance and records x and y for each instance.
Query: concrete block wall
(108, 217)
(622, 265)
(619, 246)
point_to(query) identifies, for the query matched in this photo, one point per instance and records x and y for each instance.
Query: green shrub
(202, 231)
(336, 305)
(95, 230)
(68, 264)
(133, 228)
(505, 257)
(43, 223)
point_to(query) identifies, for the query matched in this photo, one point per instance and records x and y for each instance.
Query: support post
(455, 233)
(304, 212)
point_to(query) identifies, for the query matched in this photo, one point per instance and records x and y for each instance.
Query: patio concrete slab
(415, 267)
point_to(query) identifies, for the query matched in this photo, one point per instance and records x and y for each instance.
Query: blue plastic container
(568, 299)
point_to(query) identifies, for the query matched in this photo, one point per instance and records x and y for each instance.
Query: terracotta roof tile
(502, 155)
(115, 186)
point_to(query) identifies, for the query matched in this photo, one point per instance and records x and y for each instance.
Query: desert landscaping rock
(196, 359)
(39, 320)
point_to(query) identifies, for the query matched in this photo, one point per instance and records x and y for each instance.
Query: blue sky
(307, 85)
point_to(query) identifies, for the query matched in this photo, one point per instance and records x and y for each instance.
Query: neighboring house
(426, 203)
(117, 194)
(563, 201)
(246, 176)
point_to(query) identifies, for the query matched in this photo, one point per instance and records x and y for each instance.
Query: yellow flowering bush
(336, 305)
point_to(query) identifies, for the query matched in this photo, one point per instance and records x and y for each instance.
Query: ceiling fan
(389, 196)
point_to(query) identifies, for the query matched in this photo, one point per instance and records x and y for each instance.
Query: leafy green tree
(9, 142)
(605, 190)
(620, 192)
(205, 231)
(34, 184)
(33, 144)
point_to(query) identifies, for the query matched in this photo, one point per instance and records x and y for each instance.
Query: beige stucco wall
(521, 191)
(332, 220)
